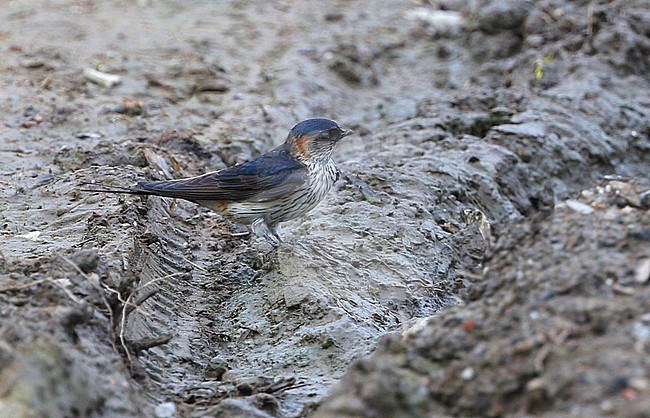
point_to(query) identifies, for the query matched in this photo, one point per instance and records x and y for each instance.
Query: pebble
(640, 384)
(101, 78)
(444, 22)
(90, 135)
(467, 374)
(217, 368)
(642, 272)
(579, 207)
(607, 406)
(165, 410)
(641, 332)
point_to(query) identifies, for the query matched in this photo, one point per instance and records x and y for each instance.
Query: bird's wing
(268, 177)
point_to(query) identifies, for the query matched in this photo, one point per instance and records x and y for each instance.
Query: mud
(556, 325)
(491, 217)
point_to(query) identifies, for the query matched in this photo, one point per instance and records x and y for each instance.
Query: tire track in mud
(311, 304)
(344, 277)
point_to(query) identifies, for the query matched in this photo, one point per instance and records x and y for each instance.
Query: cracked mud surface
(492, 215)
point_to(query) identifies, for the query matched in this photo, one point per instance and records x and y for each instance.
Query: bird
(279, 185)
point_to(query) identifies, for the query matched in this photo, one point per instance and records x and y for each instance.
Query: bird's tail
(101, 188)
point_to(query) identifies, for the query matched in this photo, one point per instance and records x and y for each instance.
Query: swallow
(282, 184)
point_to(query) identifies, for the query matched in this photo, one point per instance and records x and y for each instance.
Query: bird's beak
(346, 132)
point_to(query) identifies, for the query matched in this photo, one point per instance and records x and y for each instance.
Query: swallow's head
(314, 139)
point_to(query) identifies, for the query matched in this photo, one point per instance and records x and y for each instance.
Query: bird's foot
(265, 260)
(262, 229)
(270, 255)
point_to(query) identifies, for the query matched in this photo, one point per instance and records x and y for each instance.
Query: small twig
(111, 318)
(541, 357)
(140, 300)
(469, 274)
(122, 339)
(278, 386)
(150, 282)
(272, 305)
(65, 290)
(624, 290)
(299, 385)
(127, 308)
(430, 286)
(81, 243)
(203, 269)
(130, 307)
(118, 294)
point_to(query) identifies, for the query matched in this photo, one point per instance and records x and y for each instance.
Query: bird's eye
(324, 135)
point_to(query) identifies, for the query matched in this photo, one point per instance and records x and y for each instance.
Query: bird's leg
(273, 229)
(275, 240)
(261, 228)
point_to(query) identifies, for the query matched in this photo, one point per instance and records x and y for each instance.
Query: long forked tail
(101, 188)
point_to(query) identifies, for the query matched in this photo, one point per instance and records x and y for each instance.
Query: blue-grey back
(269, 176)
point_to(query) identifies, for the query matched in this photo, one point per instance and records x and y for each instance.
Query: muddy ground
(486, 252)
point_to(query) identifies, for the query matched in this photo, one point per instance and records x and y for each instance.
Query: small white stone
(101, 78)
(467, 374)
(165, 410)
(579, 207)
(443, 21)
(640, 384)
(32, 236)
(641, 332)
(607, 406)
(642, 273)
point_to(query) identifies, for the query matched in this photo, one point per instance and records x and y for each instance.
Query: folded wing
(268, 177)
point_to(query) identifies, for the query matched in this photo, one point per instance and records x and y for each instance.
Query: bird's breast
(321, 178)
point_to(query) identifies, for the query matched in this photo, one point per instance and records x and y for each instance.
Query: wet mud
(484, 253)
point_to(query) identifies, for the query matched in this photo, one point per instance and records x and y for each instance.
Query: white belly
(290, 206)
